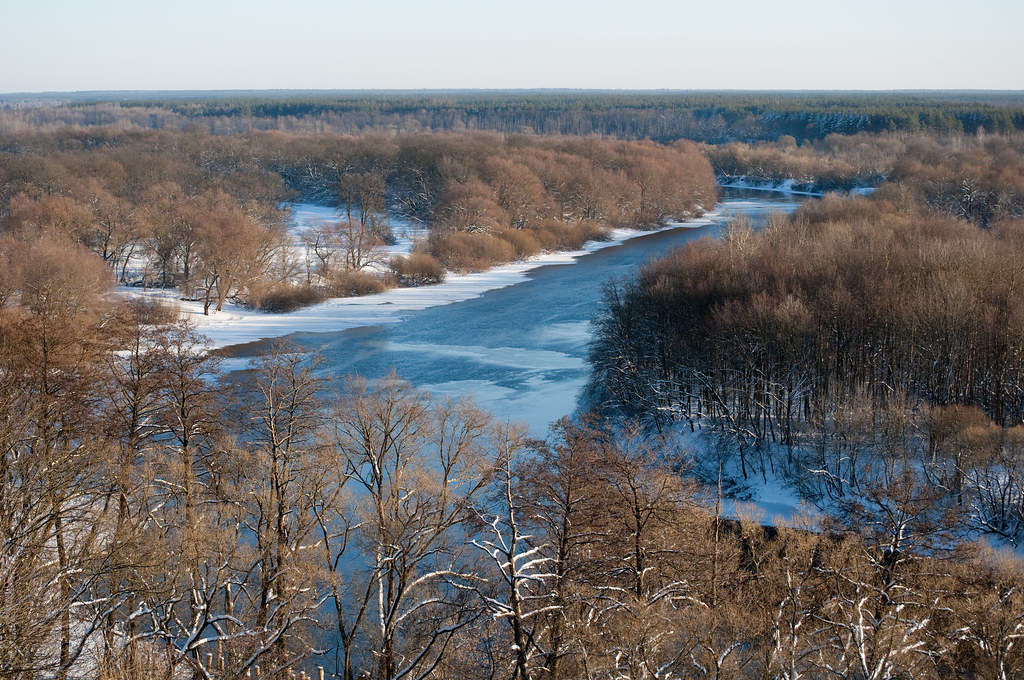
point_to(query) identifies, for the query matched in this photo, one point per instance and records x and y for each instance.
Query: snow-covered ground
(304, 216)
(769, 500)
(235, 325)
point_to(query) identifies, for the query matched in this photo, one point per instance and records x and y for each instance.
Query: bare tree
(416, 467)
(516, 589)
(193, 536)
(566, 506)
(280, 479)
(52, 520)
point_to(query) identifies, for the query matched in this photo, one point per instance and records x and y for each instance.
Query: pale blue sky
(48, 45)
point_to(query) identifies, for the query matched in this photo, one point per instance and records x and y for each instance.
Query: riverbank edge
(236, 325)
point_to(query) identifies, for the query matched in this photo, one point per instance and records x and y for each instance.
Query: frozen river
(520, 351)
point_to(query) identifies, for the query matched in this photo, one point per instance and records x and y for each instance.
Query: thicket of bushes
(418, 269)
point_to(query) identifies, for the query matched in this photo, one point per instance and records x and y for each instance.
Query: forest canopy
(662, 116)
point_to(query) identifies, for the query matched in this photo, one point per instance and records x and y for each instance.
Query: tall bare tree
(416, 466)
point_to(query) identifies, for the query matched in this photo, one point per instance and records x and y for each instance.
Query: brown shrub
(832, 208)
(283, 298)
(350, 283)
(523, 242)
(417, 269)
(573, 236)
(470, 251)
(546, 239)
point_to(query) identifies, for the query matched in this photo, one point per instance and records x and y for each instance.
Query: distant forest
(713, 117)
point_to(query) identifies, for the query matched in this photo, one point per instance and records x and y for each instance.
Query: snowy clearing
(768, 500)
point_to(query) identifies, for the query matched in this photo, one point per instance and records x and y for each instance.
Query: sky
(71, 45)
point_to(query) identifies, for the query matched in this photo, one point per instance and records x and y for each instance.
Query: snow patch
(768, 499)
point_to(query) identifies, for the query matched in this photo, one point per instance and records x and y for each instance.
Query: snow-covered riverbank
(235, 325)
(789, 186)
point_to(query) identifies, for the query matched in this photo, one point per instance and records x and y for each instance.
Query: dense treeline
(201, 213)
(837, 345)
(835, 163)
(506, 202)
(978, 177)
(660, 116)
(156, 521)
(981, 181)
